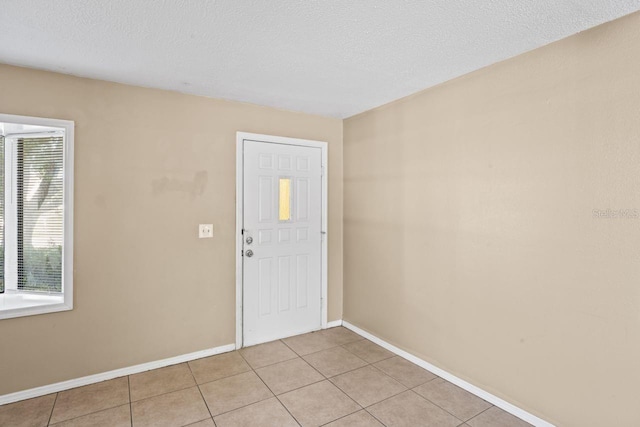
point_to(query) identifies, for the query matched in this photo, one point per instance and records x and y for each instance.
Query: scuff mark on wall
(194, 187)
(100, 201)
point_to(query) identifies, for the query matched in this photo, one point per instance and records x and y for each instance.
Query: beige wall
(469, 234)
(146, 288)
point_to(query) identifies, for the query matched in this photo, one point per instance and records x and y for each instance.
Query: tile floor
(331, 377)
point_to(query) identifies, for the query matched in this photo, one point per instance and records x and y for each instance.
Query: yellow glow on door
(284, 212)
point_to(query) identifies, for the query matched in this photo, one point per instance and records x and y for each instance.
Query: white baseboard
(96, 378)
(334, 323)
(494, 400)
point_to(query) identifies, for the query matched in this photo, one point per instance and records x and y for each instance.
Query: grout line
(356, 356)
(478, 414)
(293, 389)
(93, 412)
(165, 393)
(346, 372)
(275, 363)
(427, 382)
(449, 412)
(371, 363)
(296, 355)
(313, 367)
(385, 374)
(290, 348)
(274, 395)
(324, 378)
(221, 378)
(327, 378)
(413, 389)
(360, 407)
(360, 338)
(345, 416)
(201, 395)
(240, 407)
(130, 402)
(191, 372)
(350, 398)
(387, 398)
(55, 399)
(278, 363)
(389, 376)
(205, 403)
(303, 386)
(192, 424)
(204, 419)
(435, 404)
(325, 349)
(171, 391)
(86, 415)
(374, 417)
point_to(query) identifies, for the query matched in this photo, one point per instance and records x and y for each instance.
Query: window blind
(1, 214)
(39, 193)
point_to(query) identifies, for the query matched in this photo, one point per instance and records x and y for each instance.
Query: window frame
(67, 245)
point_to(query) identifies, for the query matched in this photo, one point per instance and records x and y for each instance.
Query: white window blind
(1, 214)
(40, 213)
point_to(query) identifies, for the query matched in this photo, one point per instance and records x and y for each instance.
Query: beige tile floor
(331, 377)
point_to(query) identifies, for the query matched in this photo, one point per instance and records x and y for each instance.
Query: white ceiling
(332, 57)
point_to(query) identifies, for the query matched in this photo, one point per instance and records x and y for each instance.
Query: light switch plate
(205, 231)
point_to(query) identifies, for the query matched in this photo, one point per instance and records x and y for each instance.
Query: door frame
(245, 136)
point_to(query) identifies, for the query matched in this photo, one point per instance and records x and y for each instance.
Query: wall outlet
(205, 231)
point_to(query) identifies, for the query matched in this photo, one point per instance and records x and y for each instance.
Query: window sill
(19, 304)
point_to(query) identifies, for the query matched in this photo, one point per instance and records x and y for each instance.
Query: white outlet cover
(205, 231)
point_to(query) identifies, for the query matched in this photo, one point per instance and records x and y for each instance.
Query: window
(36, 215)
(284, 203)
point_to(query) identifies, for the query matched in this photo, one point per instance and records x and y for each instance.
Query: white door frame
(240, 138)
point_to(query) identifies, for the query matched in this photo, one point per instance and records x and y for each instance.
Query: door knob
(249, 240)
(249, 253)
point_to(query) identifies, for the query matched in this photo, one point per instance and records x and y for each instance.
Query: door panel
(282, 205)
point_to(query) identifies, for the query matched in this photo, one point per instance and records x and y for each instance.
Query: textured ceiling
(333, 57)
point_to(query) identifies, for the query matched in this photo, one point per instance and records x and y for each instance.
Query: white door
(281, 240)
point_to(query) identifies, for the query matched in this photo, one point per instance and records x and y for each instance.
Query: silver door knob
(249, 253)
(249, 240)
